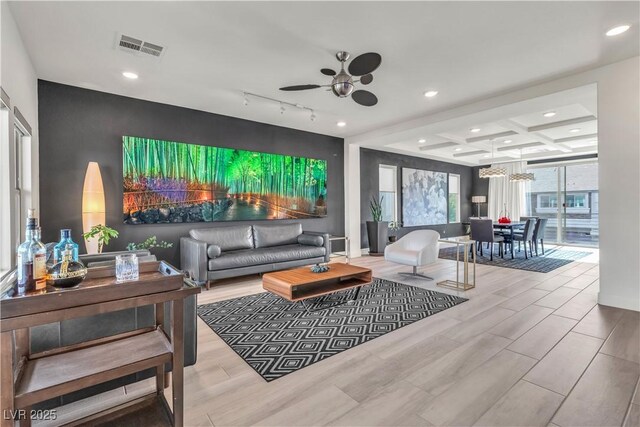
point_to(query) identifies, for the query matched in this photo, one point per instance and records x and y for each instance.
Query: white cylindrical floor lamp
(93, 205)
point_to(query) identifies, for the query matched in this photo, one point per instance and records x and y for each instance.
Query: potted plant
(394, 226)
(377, 230)
(103, 233)
(150, 243)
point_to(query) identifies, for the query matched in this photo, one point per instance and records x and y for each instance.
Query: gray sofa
(217, 253)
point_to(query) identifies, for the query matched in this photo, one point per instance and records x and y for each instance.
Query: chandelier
(492, 172)
(521, 176)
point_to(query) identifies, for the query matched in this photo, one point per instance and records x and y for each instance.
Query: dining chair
(538, 234)
(525, 236)
(482, 231)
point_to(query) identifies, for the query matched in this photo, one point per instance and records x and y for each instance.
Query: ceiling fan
(342, 84)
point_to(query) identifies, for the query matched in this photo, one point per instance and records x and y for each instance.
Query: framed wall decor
(174, 182)
(424, 197)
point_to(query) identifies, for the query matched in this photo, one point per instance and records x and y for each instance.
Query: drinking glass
(126, 268)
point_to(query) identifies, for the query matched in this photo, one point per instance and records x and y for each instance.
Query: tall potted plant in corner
(377, 230)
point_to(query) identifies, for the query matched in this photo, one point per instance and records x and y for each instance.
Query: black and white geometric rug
(277, 337)
(553, 258)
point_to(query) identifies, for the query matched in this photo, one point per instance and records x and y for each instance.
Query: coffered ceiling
(553, 126)
(214, 51)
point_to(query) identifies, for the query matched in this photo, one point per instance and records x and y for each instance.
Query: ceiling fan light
(342, 89)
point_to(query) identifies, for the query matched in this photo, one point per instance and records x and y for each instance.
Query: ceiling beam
(561, 123)
(470, 153)
(576, 138)
(491, 136)
(521, 146)
(437, 146)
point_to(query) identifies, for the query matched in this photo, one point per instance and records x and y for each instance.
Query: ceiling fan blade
(366, 63)
(366, 79)
(299, 87)
(328, 72)
(364, 97)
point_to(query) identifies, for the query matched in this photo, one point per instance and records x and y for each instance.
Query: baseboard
(618, 302)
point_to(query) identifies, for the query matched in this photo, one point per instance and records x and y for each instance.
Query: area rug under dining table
(553, 258)
(277, 337)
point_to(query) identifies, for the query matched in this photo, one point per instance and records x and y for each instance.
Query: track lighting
(283, 104)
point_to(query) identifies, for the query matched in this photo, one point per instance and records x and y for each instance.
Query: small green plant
(103, 233)
(376, 208)
(395, 225)
(150, 243)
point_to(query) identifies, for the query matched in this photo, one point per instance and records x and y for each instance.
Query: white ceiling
(506, 133)
(217, 50)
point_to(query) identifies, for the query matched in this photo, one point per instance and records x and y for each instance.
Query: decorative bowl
(320, 268)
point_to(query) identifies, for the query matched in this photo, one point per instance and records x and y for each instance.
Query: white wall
(19, 80)
(619, 163)
(352, 198)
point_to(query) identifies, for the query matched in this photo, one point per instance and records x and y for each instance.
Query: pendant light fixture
(492, 172)
(521, 176)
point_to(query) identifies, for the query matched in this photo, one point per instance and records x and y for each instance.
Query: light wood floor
(527, 349)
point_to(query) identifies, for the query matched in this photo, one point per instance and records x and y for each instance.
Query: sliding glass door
(580, 205)
(567, 195)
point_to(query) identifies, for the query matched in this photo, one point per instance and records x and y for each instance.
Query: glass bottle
(32, 258)
(67, 273)
(65, 239)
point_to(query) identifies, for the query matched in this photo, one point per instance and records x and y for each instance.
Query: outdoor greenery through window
(454, 198)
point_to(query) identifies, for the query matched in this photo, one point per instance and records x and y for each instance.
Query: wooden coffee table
(300, 284)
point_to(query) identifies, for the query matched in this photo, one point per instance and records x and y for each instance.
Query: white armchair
(416, 249)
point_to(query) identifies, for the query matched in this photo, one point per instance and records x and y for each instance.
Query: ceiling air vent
(139, 47)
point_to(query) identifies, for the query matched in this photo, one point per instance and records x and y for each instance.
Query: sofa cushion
(230, 238)
(213, 251)
(271, 255)
(311, 239)
(266, 236)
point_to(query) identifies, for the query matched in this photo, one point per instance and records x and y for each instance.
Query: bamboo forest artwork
(174, 182)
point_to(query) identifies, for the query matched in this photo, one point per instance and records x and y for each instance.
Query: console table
(29, 378)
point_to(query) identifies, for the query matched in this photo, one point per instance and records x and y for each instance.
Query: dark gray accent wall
(78, 126)
(480, 188)
(370, 160)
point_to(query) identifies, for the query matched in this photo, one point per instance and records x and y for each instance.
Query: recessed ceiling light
(618, 30)
(130, 75)
(549, 114)
(486, 156)
(341, 124)
(575, 130)
(507, 141)
(474, 130)
(430, 93)
(458, 149)
(422, 140)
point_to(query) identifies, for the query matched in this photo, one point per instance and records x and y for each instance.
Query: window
(388, 192)
(454, 198)
(6, 244)
(577, 200)
(547, 201)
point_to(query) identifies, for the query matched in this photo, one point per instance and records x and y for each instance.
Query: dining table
(510, 227)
